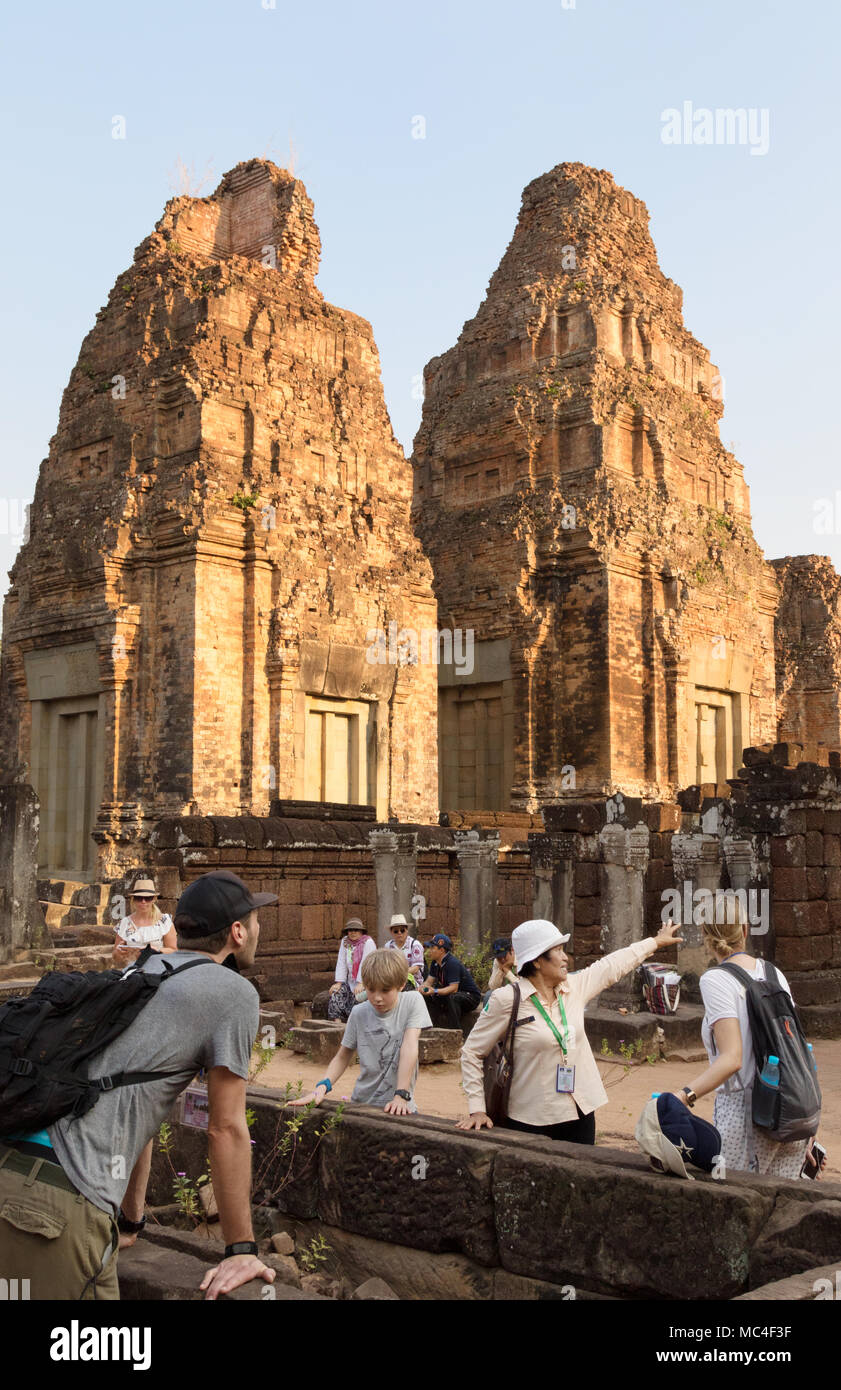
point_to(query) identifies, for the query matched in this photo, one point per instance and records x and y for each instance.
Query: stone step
(16, 989)
(439, 1045)
(318, 1044)
(682, 1029)
(58, 916)
(73, 894)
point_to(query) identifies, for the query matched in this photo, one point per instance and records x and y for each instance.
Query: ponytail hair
(724, 938)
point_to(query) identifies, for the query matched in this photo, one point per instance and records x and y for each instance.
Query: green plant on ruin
(629, 1052)
(245, 500)
(261, 1055)
(314, 1254)
(275, 1170)
(186, 1196)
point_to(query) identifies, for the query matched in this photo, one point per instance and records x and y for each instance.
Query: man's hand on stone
(397, 1106)
(233, 1272)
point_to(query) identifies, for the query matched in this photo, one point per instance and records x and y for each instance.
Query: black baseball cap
(501, 946)
(216, 900)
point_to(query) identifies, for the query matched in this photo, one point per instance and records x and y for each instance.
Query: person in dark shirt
(449, 989)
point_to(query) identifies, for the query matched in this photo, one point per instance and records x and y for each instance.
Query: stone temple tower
(587, 526)
(222, 523)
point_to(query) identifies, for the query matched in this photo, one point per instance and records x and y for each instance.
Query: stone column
(622, 875)
(468, 853)
(477, 886)
(21, 919)
(383, 849)
(553, 878)
(750, 876)
(697, 865)
(405, 875)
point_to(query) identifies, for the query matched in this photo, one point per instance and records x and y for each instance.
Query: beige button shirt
(534, 1098)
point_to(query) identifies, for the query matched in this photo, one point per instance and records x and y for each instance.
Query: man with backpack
(73, 1189)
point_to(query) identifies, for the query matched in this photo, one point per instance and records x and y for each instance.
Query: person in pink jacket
(556, 1087)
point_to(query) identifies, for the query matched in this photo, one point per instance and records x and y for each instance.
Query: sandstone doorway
(67, 776)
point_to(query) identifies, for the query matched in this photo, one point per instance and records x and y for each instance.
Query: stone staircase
(76, 913)
(80, 930)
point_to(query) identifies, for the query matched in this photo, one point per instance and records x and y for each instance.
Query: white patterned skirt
(747, 1149)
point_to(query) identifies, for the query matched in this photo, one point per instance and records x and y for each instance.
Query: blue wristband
(326, 1082)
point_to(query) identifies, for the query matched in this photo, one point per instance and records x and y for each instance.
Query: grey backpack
(791, 1110)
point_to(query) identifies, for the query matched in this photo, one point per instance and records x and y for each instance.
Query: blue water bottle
(655, 1095)
(770, 1073)
(812, 1055)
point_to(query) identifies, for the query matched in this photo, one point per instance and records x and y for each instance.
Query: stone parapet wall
(323, 871)
(547, 1215)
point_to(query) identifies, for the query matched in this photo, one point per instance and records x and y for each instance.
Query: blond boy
(384, 1031)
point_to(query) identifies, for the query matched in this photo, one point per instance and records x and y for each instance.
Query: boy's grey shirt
(377, 1038)
(206, 1017)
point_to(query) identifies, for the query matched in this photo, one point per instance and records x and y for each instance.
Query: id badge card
(565, 1083)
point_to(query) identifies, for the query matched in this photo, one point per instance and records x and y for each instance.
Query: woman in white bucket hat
(556, 1087)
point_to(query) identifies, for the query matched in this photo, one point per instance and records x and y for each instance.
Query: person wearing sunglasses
(412, 949)
(145, 926)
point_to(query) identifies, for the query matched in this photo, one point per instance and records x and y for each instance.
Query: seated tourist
(384, 1031)
(347, 987)
(502, 971)
(411, 948)
(449, 989)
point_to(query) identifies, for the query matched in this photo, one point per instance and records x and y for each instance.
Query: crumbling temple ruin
(223, 517)
(512, 675)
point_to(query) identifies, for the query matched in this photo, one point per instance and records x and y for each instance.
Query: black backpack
(48, 1037)
(791, 1110)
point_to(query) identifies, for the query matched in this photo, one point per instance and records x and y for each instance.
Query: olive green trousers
(51, 1236)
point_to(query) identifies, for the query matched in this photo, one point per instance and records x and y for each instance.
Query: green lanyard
(561, 1040)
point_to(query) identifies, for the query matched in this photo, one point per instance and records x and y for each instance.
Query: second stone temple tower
(586, 524)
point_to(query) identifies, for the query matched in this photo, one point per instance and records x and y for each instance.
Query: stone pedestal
(622, 875)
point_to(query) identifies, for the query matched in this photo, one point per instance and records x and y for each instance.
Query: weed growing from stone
(314, 1254)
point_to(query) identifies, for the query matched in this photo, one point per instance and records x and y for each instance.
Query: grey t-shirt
(378, 1038)
(206, 1017)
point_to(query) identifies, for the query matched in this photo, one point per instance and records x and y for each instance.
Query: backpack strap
(136, 1078)
(737, 972)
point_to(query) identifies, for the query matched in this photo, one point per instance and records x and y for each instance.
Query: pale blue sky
(413, 229)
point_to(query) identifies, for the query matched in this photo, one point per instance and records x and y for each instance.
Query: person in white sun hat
(556, 1087)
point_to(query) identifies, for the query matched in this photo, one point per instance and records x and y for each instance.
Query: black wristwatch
(130, 1228)
(241, 1247)
(690, 1096)
(407, 1095)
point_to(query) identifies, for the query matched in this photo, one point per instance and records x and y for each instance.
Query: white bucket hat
(398, 920)
(531, 939)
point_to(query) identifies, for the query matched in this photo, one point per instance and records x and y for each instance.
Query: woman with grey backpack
(782, 1095)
